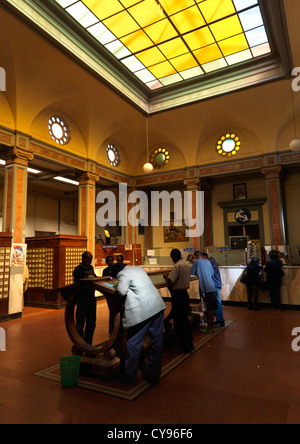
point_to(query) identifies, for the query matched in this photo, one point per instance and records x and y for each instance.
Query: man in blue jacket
(204, 270)
(218, 283)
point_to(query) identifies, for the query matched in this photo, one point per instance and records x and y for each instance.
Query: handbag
(264, 285)
(243, 278)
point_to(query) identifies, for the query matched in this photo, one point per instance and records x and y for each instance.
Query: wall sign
(18, 255)
(242, 216)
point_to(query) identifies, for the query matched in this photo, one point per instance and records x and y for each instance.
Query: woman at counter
(274, 274)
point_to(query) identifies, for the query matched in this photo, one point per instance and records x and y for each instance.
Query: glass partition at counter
(228, 258)
(161, 257)
(157, 256)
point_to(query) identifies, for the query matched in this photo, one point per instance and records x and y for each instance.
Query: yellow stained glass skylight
(164, 42)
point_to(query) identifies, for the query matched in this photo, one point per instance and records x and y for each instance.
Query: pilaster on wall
(87, 208)
(206, 187)
(193, 184)
(15, 192)
(132, 230)
(273, 177)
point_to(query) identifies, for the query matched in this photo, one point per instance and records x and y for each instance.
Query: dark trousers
(252, 293)
(86, 317)
(180, 310)
(134, 344)
(274, 290)
(111, 315)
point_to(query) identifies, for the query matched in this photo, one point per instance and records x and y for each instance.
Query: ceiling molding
(47, 18)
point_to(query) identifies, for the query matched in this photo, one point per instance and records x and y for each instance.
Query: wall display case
(132, 253)
(5, 250)
(51, 261)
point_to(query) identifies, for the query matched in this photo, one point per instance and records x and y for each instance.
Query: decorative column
(14, 216)
(193, 185)
(276, 213)
(87, 208)
(208, 226)
(132, 230)
(15, 193)
(148, 228)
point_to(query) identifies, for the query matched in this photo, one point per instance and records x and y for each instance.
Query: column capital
(272, 172)
(87, 178)
(192, 184)
(18, 155)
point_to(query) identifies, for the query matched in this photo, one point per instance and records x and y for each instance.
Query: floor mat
(171, 360)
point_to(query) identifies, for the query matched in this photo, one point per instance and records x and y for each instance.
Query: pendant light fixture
(295, 143)
(148, 167)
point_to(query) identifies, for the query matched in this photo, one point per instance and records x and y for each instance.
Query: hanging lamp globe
(148, 167)
(295, 145)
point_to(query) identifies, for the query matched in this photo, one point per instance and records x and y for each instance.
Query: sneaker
(152, 381)
(219, 324)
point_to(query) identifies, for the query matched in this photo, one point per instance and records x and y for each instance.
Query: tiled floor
(248, 374)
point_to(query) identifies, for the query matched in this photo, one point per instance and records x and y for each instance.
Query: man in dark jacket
(273, 280)
(254, 272)
(86, 305)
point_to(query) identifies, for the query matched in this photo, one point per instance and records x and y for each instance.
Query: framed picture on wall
(239, 191)
(173, 233)
(18, 255)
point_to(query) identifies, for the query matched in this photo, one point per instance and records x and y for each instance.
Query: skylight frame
(164, 73)
(64, 32)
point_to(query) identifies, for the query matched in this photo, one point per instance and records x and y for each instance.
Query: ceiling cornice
(47, 18)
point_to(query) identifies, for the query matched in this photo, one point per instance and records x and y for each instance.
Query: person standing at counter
(144, 312)
(204, 270)
(86, 305)
(274, 274)
(118, 266)
(108, 272)
(110, 263)
(218, 284)
(179, 280)
(254, 273)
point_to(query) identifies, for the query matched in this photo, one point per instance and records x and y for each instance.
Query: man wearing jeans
(144, 312)
(218, 283)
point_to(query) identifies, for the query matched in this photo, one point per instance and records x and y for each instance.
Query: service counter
(233, 291)
(193, 290)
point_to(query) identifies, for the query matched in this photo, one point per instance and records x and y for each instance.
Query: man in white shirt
(144, 312)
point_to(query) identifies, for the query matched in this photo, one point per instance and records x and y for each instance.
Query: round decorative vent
(229, 145)
(113, 155)
(160, 157)
(59, 130)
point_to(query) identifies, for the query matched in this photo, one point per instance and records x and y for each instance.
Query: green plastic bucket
(69, 370)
